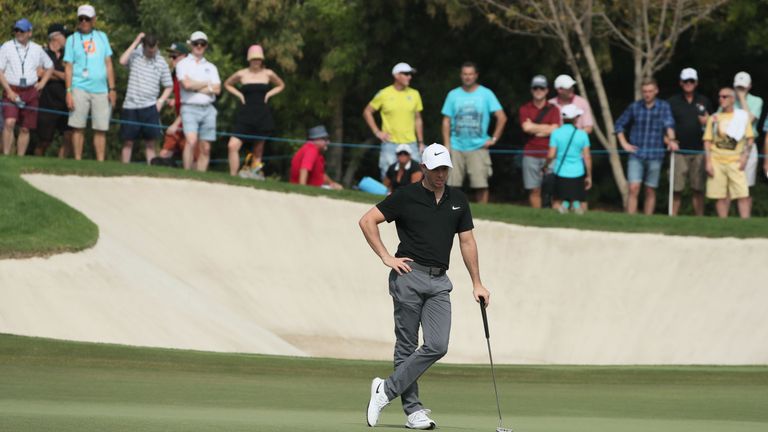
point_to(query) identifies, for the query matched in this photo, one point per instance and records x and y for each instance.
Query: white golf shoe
(377, 403)
(420, 420)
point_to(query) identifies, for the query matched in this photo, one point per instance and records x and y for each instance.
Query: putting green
(68, 386)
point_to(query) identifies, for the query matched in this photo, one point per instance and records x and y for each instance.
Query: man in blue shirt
(90, 81)
(466, 116)
(648, 119)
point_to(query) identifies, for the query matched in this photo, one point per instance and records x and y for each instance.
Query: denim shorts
(201, 120)
(644, 171)
(388, 156)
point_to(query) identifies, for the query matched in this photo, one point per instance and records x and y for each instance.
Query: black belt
(432, 271)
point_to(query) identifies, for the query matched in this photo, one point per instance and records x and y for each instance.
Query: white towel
(738, 125)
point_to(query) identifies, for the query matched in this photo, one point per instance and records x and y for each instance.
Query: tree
(649, 29)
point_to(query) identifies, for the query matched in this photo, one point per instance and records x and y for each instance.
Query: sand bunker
(212, 267)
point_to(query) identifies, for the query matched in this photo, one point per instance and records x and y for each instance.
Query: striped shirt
(18, 61)
(145, 76)
(647, 127)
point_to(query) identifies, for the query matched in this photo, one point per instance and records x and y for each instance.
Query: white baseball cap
(86, 10)
(436, 155)
(564, 82)
(196, 36)
(403, 148)
(742, 79)
(571, 111)
(401, 68)
(689, 74)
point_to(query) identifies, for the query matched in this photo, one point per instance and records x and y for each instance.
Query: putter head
(503, 429)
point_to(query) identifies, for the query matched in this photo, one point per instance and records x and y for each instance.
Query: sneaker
(420, 420)
(377, 403)
(562, 210)
(579, 210)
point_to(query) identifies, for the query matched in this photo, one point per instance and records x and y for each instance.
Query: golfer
(427, 215)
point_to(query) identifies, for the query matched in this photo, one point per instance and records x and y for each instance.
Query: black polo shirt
(688, 130)
(425, 227)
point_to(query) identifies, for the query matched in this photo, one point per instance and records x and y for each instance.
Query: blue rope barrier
(248, 137)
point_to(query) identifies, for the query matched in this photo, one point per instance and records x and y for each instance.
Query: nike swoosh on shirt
(455, 208)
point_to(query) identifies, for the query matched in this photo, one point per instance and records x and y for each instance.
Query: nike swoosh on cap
(437, 154)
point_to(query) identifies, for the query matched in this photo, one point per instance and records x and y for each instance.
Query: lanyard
(85, 50)
(22, 60)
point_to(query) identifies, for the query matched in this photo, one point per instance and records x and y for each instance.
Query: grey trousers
(419, 300)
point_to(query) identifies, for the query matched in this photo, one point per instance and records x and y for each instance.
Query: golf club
(490, 356)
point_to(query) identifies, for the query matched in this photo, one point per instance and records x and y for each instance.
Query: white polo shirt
(197, 70)
(18, 61)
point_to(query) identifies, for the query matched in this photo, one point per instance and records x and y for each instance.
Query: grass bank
(32, 223)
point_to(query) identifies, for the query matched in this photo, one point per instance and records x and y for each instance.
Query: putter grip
(485, 318)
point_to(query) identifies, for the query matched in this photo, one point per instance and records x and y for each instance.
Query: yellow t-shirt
(724, 149)
(398, 112)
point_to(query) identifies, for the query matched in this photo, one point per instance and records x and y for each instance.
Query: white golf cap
(403, 148)
(196, 36)
(539, 81)
(564, 82)
(742, 79)
(402, 68)
(689, 74)
(571, 111)
(436, 155)
(86, 10)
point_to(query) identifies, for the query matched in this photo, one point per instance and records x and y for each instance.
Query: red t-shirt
(309, 157)
(538, 146)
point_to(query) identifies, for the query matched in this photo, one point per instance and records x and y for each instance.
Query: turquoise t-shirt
(470, 115)
(87, 54)
(573, 162)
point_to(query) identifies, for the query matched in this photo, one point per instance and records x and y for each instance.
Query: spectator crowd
(713, 149)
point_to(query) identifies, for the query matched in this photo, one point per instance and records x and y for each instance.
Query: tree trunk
(637, 53)
(610, 142)
(335, 154)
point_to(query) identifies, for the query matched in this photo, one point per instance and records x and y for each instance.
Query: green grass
(32, 223)
(70, 386)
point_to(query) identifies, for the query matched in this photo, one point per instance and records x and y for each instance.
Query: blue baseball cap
(23, 25)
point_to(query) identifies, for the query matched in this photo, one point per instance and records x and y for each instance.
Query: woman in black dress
(254, 119)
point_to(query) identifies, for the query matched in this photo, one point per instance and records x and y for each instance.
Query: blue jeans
(388, 156)
(644, 171)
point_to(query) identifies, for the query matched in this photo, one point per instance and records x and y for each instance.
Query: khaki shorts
(728, 181)
(690, 170)
(476, 164)
(95, 104)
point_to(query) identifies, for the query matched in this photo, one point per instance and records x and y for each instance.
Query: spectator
(200, 83)
(254, 116)
(90, 81)
(401, 123)
(403, 172)
(728, 139)
(174, 141)
(648, 119)
(690, 111)
(20, 59)
(569, 148)
(147, 71)
(538, 118)
(466, 116)
(745, 100)
(566, 95)
(308, 164)
(53, 98)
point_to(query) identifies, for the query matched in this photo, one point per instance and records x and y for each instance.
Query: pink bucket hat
(255, 52)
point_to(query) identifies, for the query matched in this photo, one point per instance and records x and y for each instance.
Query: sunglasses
(173, 56)
(200, 44)
(538, 88)
(689, 81)
(407, 73)
(84, 18)
(18, 30)
(725, 96)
